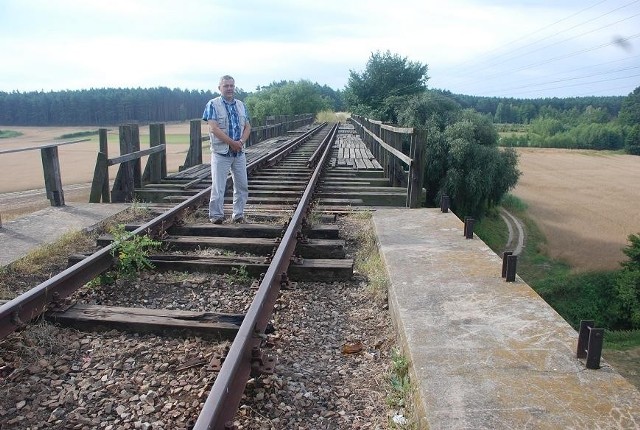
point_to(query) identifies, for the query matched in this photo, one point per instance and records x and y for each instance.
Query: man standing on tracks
(229, 129)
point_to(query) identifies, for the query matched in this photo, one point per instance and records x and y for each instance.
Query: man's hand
(236, 145)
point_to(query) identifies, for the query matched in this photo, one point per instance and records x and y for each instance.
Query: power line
(540, 29)
(580, 84)
(529, 85)
(554, 59)
(562, 41)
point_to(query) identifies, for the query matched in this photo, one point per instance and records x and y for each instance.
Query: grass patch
(368, 260)
(491, 229)
(42, 263)
(5, 134)
(79, 134)
(621, 339)
(331, 116)
(399, 391)
(41, 256)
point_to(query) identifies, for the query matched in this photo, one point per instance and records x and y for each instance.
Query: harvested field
(585, 202)
(21, 172)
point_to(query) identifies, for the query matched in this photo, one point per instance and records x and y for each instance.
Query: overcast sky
(519, 48)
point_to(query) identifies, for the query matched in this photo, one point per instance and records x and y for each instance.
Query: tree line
(112, 106)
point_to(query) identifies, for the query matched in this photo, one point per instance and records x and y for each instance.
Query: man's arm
(217, 132)
(246, 132)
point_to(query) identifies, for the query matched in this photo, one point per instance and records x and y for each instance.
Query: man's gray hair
(226, 78)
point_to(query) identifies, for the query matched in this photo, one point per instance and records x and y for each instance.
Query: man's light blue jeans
(220, 166)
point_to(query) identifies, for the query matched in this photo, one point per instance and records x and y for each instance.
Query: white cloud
(470, 46)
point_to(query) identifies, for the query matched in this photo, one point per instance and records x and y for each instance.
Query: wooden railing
(130, 175)
(50, 167)
(400, 152)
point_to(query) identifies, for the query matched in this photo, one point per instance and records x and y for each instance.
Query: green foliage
(398, 380)
(385, 75)
(630, 110)
(513, 203)
(622, 339)
(79, 134)
(581, 296)
(102, 106)
(463, 162)
(132, 251)
(492, 230)
(9, 133)
(546, 127)
(632, 140)
(290, 98)
(626, 306)
(611, 298)
(428, 108)
(239, 275)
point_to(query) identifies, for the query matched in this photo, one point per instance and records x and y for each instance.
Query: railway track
(294, 183)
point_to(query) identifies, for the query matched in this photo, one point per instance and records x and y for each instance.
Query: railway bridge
(485, 351)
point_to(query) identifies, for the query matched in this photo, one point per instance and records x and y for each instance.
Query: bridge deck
(487, 354)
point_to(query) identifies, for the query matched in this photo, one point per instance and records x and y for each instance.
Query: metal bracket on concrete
(509, 268)
(505, 254)
(444, 203)
(468, 227)
(590, 340)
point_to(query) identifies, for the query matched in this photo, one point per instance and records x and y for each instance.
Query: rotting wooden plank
(321, 231)
(210, 325)
(312, 248)
(309, 268)
(316, 269)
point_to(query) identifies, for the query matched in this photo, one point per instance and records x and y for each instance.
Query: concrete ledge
(484, 353)
(22, 235)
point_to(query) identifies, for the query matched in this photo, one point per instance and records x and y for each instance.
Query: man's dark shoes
(216, 220)
(239, 220)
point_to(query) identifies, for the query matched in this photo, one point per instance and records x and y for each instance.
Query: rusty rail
(224, 399)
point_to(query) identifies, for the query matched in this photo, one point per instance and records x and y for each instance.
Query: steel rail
(224, 398)
(16, 313)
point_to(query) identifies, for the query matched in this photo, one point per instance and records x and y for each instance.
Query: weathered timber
(338, 173)
(308, 269)
(390, 197)
(316, 269)
(313, 248)
(339, 201)
(321, 231)
(210, 325)
(355, 181)
(52, 178)
(275, 189)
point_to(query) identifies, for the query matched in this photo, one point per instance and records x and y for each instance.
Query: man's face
(227, 87)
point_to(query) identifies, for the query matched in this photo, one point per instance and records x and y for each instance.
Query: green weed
(131, 251)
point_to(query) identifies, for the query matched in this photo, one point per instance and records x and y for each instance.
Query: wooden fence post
(137, 164)
(158, 161)
(123, 187)
(52, 178)
(104, 148)
(416, 170)
(194, 156)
